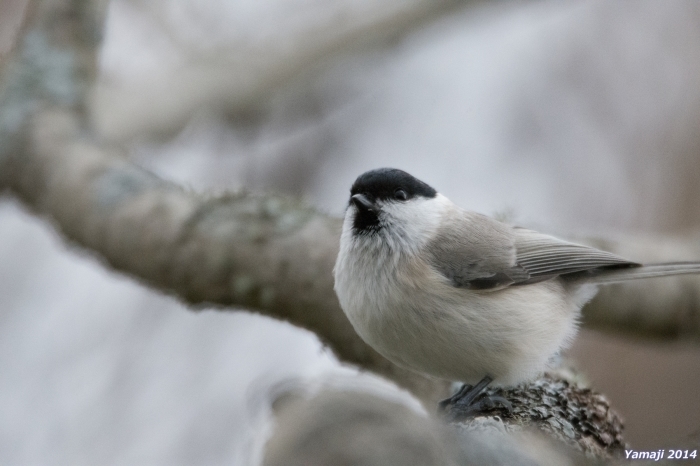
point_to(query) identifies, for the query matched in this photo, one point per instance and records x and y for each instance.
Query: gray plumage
(480, 253)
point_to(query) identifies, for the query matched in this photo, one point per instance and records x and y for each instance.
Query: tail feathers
(605, 276)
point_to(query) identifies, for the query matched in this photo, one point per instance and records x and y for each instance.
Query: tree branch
(265, 253)
(342, 426)
(577, 416)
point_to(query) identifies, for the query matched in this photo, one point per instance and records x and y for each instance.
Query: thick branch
(335, 427)
(265, 253)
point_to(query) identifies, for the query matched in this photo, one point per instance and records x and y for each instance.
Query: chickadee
(458, 295)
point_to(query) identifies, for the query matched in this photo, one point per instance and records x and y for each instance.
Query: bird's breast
(413, 316)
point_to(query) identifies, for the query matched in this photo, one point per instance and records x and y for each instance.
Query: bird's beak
(363, 203)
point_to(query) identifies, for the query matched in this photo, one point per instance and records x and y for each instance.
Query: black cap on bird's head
(383, 185)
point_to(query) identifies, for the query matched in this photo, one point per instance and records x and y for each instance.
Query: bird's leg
(466, 401)
(467, 394)
(442, 405)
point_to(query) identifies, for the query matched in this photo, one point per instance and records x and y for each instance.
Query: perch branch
(336, 426)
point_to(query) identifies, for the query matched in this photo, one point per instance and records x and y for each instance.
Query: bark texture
(577, 416)
(554, 422)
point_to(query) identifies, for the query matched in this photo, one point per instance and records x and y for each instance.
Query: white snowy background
(569, 116)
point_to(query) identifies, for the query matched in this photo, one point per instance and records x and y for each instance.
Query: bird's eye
(400, 194)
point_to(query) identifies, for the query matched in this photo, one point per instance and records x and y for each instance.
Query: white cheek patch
(414, 222)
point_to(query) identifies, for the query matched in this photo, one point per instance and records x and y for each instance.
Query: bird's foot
(442, 405)
(469, 401)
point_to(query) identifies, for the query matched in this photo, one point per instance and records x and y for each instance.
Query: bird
(457, 295)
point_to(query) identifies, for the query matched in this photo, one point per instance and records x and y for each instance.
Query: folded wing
(543, 256)
(479, 253)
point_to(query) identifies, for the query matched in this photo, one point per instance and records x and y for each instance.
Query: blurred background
(572, 117)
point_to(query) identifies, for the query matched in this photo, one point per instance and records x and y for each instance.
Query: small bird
(460, 296)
